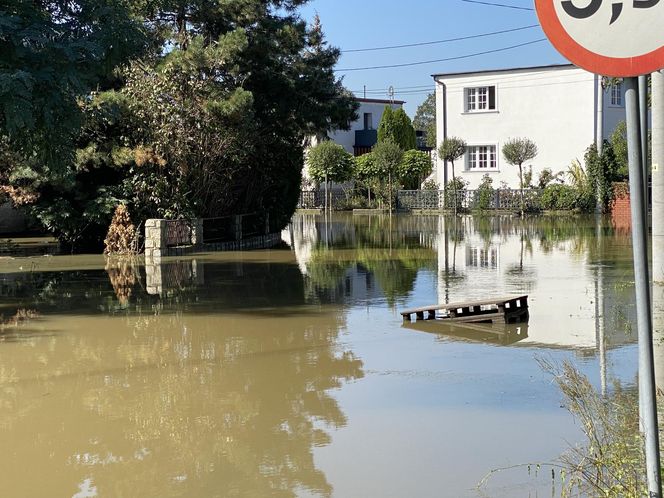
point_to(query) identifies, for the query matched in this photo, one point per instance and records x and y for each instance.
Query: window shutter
(492, 97)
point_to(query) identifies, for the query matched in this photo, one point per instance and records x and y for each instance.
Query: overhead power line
(448, 40)
(504, 5)
(458, 57)
(396, 88)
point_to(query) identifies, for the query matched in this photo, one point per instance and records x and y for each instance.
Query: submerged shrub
(611, 462)
(121, 233)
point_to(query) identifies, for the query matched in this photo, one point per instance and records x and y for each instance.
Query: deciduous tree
(415, 165)
(387, 156)
(516, 151)
(451, 149)
(425, 119)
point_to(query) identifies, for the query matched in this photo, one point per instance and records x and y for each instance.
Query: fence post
(197, 232)
(237, 221)
(155, 238)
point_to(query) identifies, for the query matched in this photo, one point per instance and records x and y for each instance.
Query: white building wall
(346, 138)
(553, 106)
(613, 114)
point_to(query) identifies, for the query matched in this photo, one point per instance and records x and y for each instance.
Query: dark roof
(506, 70)
(380, 101)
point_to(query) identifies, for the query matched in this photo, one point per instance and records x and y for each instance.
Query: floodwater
(289, 372)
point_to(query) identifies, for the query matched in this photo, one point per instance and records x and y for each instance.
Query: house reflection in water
(575, 271)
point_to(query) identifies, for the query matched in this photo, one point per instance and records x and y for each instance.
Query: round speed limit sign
(608, 37)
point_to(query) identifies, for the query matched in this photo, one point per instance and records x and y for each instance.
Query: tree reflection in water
(389, 250)
(214, 390)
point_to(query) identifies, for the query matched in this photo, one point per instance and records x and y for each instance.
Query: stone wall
(155, 239)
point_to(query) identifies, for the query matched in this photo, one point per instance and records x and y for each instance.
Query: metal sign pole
(642, 286)
(643, 119)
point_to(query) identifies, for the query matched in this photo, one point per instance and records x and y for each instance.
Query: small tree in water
(450, 150)
(328, 161)
(387, 156)
(517, 151)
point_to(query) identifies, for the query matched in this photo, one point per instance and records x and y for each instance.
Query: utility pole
(657, 172)
(599, 140)
(657, 196)
(643, 118)
(648, 402)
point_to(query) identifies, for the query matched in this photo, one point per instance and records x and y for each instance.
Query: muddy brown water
(288, 372)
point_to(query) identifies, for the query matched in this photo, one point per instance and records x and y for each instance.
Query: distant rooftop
(507, 70)
(380, 101)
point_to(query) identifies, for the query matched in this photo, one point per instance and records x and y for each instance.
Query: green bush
(558, 196)
(461, 185)
(430, 184)
(484, 194)
(565, 197)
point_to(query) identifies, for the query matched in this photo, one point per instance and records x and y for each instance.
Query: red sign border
(591, 61)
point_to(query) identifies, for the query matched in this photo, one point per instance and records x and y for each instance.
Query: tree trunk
(389, 191)
(521, 188)
(326, 206)
(454, 189)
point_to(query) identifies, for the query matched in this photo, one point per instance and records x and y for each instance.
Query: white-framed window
(480, 98)
(481, 158)
(616, 95)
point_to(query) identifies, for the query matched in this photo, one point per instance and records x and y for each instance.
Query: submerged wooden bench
(491, 310)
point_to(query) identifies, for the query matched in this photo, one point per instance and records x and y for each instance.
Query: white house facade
(363, 133)
(561, 108)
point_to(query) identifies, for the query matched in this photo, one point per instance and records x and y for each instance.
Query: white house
(559, 107)
(363, 133)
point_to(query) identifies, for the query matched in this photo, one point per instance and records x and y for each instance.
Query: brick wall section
(621, 208)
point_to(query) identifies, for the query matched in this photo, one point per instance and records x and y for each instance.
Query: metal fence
(220, 229)
(315, 199)
(178, 232)
(508, 199)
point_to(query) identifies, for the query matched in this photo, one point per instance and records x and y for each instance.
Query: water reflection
(555, 260)
(361, 259)
(198, 390)
(226, 374)
(498, 334)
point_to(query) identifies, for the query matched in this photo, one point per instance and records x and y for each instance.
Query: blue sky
(358, 24)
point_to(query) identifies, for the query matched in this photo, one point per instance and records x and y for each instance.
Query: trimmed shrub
(558, 196)
(564, 197)
(484, 194)
(430, 184)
